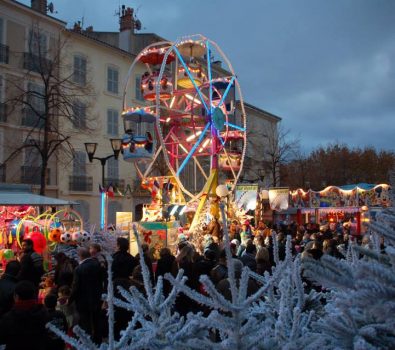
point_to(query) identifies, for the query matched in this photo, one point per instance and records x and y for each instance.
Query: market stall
(28, 215)
(340, 203)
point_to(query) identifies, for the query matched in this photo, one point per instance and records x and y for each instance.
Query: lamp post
(90, 148)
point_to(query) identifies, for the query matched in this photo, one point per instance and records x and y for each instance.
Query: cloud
(325, 67)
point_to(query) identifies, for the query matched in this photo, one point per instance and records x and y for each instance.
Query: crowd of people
(71, 294)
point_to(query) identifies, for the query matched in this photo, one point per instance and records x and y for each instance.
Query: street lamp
(90, 148)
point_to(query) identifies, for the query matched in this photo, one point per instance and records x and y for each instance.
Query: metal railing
(80, 183)
(32, 175)
(116, 183)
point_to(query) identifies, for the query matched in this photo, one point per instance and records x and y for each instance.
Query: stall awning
(25, 198)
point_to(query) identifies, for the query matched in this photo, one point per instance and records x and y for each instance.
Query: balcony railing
(32, 175)
(3, 112)
(80, 183)
(4, 53)
(116, 183)
(36, 63)
(31, 119)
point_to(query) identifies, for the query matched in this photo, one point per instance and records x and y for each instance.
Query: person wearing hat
(223, 286)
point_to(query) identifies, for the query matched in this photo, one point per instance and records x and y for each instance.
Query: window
(139, 95)
(79, 163)
(112, 122)
(37, 43)
(83, 210)
(35, 110)
(1, 31)
(79, 115)
(1, 146)
(112, 169)
(79, 73)
(3, 111)
(112, 80)
(4, 49)
(32, 156)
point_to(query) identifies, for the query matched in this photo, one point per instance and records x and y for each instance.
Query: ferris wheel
(193, 115)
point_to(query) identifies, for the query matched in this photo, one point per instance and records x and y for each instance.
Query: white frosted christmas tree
(277, 315)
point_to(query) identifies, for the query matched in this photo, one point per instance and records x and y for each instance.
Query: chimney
(39, 6)
(126, 20)
(77, 27)
(126, 29)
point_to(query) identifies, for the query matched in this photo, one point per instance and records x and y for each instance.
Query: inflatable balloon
(85, 237)
(8, 254)
(54, 235)
(13, 227)
(76, 236)
(39, 241)
(56, 223)
(65, 237)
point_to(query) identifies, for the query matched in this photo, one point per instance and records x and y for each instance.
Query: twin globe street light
(90, 148)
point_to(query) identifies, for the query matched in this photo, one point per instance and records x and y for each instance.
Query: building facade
(95, 66)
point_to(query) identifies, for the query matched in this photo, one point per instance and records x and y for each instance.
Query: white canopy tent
(26, 198)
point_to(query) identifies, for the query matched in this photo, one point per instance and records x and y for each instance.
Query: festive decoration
(8, 254)
(76, 237)
(66, 237)
(39, 241)
(54, 235)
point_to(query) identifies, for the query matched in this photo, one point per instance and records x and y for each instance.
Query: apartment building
(96, 65)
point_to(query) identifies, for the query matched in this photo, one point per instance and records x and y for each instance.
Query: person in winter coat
(23, 327)
(32, 267)
(64, 270)
(7, 286)
(165, 265)
(58, 319)
(123, 263)
(86, 291)
(220, 271)
(248, 256)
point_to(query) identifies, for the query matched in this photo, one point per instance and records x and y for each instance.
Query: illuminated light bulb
(173, 210)
(190, 138)
(191, 98)
(183, 210)
(204, 145)
(168, 119)
(172, 102)
(183, 148)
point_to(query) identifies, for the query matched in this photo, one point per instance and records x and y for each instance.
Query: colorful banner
(335, 197)
(246, 196)
(279, 198)
(123, 221)
(379, 196)
(300, 199)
